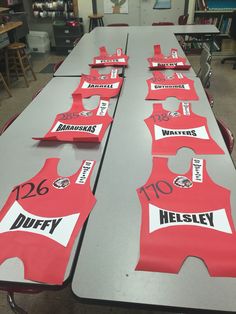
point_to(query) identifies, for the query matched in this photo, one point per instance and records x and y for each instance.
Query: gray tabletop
(77, 63)
(106, 266)
(147, 37)
(21, 157)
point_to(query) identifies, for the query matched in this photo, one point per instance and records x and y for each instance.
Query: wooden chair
(162, 23)
(204, 58)
(118, 24)
(183, 19)
(227, 135)
(5, 85)
(205, 75)
(95, 20)
(18, 61)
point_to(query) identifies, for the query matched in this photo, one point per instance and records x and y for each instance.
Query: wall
(140, 12)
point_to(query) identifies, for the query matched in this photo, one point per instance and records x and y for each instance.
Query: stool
(95, 20)
(18, 61)
(5, 85)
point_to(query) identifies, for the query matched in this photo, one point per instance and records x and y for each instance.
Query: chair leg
(15, 308)
(32, 71)
(5, 85)
(22, 67)
(7, 66)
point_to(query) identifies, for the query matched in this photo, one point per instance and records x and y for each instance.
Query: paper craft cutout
(160, 87)
(79, 124)
(41, 219)
(171, 130)
(104, 59)
(104, 85)
(173, 61)
(185, 215)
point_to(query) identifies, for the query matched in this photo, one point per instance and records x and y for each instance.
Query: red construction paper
(160, 87)
(185, 215)
(41, 219)
(172, 130)
(104, 85)
(79, 124)
(104, 59)
(172, 61)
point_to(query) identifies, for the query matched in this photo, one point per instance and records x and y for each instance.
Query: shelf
(215, 12)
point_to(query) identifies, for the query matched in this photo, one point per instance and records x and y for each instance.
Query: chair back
(205, 75)
(8, 123)
(162, 23)
(118, 24)
(205, 57)
(227, 135)
(183, 19)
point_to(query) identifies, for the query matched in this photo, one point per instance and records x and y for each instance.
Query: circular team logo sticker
(174, 114)
(85, 113)
(61, 183)
(183, 182)
(102, 77)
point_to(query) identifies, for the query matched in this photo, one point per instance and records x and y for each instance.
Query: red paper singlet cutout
(78, 124)
(160, 87)
(104, 59)
(172, 130)
(173, 61)
(185, 215)
(104, 85)
(41, 219)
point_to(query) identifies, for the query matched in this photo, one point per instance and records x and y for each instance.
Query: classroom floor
(223, 89)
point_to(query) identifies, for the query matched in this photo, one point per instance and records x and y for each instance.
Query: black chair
(233, 35)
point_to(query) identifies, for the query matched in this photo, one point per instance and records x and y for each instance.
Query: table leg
(15, 308)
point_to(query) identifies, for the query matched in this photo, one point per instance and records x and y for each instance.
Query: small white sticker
(179, 75)
(186, 110)
(85, 171)
(197, 170)
(103, 107)
(114, 73)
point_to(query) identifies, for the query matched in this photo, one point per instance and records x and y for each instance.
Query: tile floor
(63, 302)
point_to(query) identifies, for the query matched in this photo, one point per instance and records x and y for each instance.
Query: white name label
(63, 127)
(91, 85)
(58, 229)
(162, 218)
(199, 132)
(156, 64)
(178, 86)
(103, 107)
(197, 170)
(99, 61)
(85, 171)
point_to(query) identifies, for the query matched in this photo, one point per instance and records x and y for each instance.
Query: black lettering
(202, 218)
(172, 217)
(55, 223)
(45, 224)
(209, 216)
(28, 223)
(59, 127)
(18, 222)
(187, 218)
(163, 217)
(38, 223)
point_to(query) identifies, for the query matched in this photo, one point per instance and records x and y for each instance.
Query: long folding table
(105, 270)
(22, 157)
